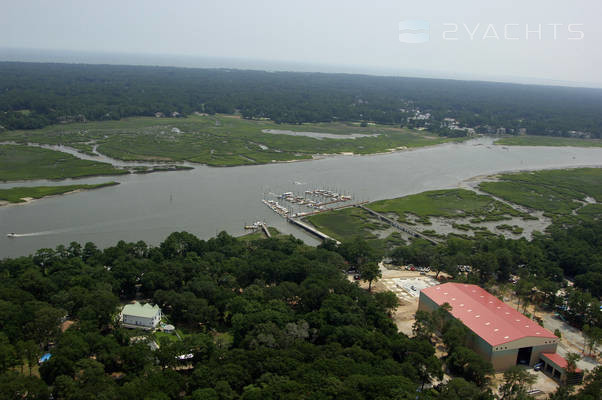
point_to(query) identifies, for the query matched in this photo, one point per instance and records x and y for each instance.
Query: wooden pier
(265, 229)
(311, 229)
(400, 226)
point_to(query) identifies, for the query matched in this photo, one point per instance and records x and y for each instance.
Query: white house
(140, 316)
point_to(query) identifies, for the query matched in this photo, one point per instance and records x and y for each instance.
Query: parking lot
(408, 289)
(401, 282)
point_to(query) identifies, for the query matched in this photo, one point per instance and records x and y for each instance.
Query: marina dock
(310, 202)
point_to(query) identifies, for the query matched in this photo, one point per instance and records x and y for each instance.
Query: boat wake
(107, 224)
(42, 233)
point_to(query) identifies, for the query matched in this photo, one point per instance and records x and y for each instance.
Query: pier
(311, 229)
(265, 229)
(400, 226)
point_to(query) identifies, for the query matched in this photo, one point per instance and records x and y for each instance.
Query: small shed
(555, 366)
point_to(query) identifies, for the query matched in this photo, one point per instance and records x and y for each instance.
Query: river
(206, 200)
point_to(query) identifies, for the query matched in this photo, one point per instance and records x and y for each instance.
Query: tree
(592, 386)
(517, 380)
(593, 337)
(45, 325)
(486, 264)
(423, 325)
(440, 316)
(388, 300)
(571, 362)
(563, 392)
(455, 334)
(357, 252)
(8, 355)
(460, 389)
(428, 368)
(16, 386)
(205, 394)
(370, 271)
(30, 352)
(469, 365)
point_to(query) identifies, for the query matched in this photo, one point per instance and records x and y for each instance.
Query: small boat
(11, 235)
(256, 225)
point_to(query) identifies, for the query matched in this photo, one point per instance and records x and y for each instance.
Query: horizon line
(61, 56)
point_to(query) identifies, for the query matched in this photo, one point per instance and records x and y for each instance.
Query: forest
(33, 95)
(264, 319)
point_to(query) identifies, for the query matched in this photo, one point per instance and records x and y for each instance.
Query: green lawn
(552, 191)
(18, 194)
(548, 141)
(446, 203)
(221, 140)
(162, 336)
(25, 163)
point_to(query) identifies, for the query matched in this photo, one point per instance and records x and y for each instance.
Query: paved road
(572, 339)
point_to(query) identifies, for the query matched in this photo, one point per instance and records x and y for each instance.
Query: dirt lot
(400, 283)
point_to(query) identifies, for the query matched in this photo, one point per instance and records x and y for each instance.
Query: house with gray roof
(141, 316)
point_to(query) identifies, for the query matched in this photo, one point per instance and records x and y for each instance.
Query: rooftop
(486, 315)
(138, 310)
(556, 359)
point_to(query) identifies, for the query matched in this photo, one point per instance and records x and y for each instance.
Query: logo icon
(414, 31)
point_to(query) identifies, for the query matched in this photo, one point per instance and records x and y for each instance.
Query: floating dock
(310, 202)
(259, 225)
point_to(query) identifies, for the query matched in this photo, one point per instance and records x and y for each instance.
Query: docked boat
(256, 225)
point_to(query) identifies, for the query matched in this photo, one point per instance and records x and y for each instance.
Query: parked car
(356, 277)
(538, 366)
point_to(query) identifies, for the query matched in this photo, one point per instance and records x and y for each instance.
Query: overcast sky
(485, 39)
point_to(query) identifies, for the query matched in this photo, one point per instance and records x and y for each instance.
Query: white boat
(11, 235)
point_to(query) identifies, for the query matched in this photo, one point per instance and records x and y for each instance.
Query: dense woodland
(33, 95)
(266, 319)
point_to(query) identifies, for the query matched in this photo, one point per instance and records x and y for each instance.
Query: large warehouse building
(502, 335)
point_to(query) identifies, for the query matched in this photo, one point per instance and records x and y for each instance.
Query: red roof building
(500, 333)
(555, 366)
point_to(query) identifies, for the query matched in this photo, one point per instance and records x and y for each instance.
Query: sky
(527, 41)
